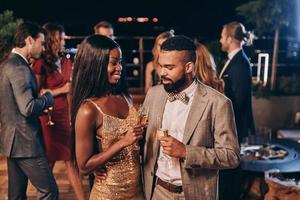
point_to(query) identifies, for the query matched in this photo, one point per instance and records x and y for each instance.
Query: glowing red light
(122, 19)
(155, 19)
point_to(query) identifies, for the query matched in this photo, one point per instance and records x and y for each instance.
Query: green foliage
(268, 15)
(8, 26)
(259, 91)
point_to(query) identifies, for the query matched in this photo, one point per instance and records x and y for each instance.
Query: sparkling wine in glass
(143, 116)
(160, 133)
(142, 119)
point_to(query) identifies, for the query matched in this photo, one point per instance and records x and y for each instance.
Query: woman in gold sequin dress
(105, 120)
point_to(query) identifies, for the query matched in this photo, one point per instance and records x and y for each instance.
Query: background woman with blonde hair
(205, 68)
(152, 70)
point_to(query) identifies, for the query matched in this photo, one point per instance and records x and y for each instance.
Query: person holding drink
(53, 73)
(191, 132)
(21, 139)
(106, 120)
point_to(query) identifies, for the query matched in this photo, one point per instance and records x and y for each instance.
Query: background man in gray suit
(20, 135)
(201, 130)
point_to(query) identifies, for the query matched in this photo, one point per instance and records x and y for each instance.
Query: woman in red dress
(54, 73)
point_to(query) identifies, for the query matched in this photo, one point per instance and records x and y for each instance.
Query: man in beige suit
(201, 130)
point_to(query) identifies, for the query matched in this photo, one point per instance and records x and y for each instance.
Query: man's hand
(172, 147)
(43, 91)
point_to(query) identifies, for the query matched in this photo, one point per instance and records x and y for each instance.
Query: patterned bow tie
(179, 96)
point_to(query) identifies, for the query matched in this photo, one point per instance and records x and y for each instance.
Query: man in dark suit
(20, 135)
(237, 77)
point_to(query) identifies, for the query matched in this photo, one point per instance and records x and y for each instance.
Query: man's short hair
(24, 30)
(104, 24)
(180, 43)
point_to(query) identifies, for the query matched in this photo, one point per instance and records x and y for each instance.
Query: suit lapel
(160, 107)
(196, 111)
(232, 60)
(224, 68)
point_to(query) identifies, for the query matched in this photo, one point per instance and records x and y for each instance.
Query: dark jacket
(20, 106)
(238, 88)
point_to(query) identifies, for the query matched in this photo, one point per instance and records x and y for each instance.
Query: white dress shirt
(174, 119)
(230, 56)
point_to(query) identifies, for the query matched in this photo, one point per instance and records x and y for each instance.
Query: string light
(136, 19)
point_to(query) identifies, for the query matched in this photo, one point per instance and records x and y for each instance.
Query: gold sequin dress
(123, 181)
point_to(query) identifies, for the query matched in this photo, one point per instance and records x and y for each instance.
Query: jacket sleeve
(21, 81)
(225, 152)
(148, 97)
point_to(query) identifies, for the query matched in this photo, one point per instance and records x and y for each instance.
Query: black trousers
(37, 170)
(230, 184)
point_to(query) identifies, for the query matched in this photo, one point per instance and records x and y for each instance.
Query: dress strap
(127, 99)
(98, 107)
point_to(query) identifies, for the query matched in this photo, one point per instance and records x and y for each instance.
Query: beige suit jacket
(210, 139)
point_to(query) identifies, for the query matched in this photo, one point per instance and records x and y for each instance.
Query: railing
(137, 52)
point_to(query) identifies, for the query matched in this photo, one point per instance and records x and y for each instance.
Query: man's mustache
(165, 78)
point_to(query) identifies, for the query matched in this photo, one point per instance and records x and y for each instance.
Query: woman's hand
(66, 88)
(133, 135)
(100, 173)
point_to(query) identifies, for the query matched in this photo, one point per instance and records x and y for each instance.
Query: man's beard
(175, 86)
(224, 48)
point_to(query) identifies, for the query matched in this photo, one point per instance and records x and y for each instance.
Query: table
(256, 168)
(290, 163)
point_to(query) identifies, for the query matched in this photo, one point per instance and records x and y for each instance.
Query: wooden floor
(65, 189)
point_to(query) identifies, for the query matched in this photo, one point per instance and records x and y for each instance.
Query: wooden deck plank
(65, 190)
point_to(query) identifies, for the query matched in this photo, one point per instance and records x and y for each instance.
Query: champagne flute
(160, 133)
(143, 116)
(142, 119)
(50, 122)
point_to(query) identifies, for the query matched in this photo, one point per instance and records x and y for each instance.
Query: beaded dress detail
(123, 180)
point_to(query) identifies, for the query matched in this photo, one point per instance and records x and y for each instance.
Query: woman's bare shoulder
(88, 110)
